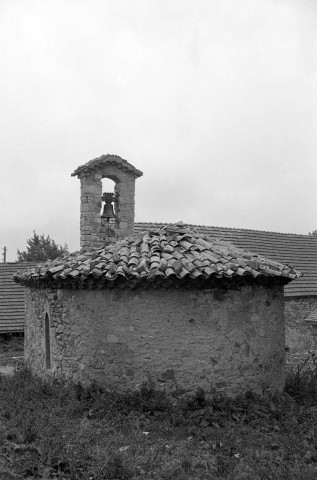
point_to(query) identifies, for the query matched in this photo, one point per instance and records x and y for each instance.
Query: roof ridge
(18, 263)
(229, 228)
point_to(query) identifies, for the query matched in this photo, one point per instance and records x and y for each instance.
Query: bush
(301, 382)
(11, 342)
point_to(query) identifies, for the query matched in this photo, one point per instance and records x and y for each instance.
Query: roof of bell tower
(105, 160)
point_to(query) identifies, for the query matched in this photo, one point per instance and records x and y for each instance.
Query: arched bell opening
(109, 210)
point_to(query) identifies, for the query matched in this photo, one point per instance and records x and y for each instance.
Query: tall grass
(57, 429)
(301, 380)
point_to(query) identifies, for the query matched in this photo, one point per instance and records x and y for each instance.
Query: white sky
(214, 100)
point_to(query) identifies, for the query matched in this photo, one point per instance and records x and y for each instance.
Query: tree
(314, 232)
(40, 249)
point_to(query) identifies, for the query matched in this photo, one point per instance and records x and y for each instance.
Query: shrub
(11, 342)
(301, 382)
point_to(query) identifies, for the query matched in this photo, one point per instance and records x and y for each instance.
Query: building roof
(12, 302)
(172, 254)
(108, 159)
(287, 248)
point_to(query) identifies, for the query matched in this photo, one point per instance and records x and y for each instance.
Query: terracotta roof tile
(162, 257)
(107, 159)
(286, 248)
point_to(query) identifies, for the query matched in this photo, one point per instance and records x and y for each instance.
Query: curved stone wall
(232, 340)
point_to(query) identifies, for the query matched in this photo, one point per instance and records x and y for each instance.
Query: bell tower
(116, 221)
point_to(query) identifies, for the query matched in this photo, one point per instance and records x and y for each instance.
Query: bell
(108, 211)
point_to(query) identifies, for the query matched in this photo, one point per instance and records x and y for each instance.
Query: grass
(65, 431)
(301, 381)
(11, 345)
(11, 342)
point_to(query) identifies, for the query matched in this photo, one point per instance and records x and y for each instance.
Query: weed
(5, 474)
(117, 469)
(198, 400)
(301, 382)
(186, 464)
(11, 342)
(56, 429)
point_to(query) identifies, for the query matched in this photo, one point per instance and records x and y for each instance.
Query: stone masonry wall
(299, 339)
(93, 228)
(90, 205)
(232, 340)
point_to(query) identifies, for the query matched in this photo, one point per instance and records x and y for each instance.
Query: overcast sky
(214, 100)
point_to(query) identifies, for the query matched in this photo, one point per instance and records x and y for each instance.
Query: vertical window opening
(47, 342)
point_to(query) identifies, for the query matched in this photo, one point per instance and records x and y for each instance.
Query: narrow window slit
(47, 343)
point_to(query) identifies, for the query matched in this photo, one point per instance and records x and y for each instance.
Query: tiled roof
(170, 255)
(12, 308)
(287, 248)
(106, 160)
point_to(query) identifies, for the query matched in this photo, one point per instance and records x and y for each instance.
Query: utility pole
(4, 255)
